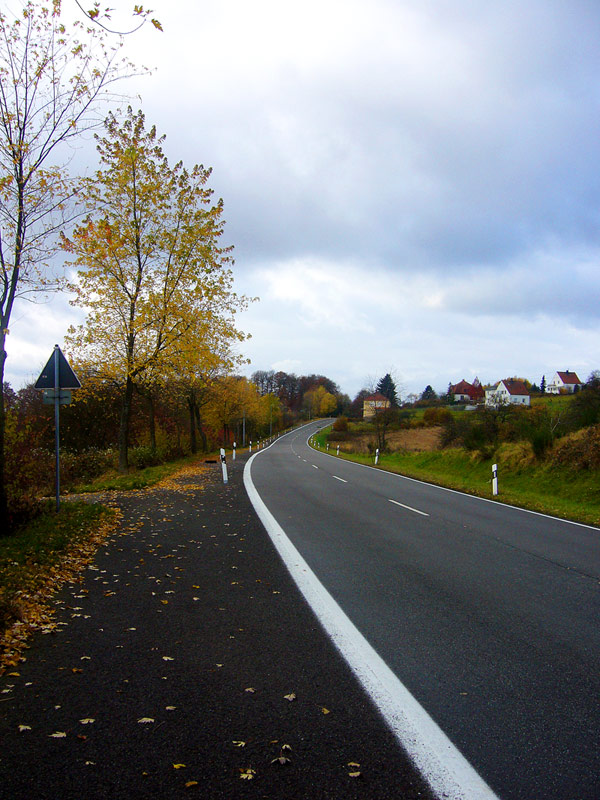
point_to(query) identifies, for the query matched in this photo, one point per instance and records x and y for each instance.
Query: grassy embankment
(550, 489)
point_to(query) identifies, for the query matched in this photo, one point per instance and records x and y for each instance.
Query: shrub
(29, 471)
(436, 416)
(145, 456)
(515, 456)
(580, 450)
(341, 424)
(338, 436)
(85, 466)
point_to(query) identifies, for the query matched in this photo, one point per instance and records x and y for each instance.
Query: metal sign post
(57, 379)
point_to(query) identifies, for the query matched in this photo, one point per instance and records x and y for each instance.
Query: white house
(508, 391)
(564, 382)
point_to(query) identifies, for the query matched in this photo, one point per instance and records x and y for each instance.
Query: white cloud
(408, 184)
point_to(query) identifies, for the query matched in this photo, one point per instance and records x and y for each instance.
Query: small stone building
(374, 403)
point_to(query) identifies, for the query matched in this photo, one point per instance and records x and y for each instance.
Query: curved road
(487, 614)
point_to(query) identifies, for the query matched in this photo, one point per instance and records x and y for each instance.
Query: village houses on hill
(564, 382)
(511, 390)
(465, 392)
(508, 391)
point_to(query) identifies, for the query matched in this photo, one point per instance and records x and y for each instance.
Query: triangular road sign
(66, 377)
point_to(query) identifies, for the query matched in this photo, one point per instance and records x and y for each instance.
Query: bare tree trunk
(192, 409)
(4, 515)
(124, 426)
(200, 430)
(152, 421)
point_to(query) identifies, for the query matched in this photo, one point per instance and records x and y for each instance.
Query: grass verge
(559, 491)
(36, 561)
(138, 478)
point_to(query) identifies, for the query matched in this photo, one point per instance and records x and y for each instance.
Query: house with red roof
(563, 383)
(465, 392)
(509, 391)
(374, 403)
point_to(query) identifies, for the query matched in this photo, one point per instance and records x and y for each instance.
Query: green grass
(558, 491)
(137, 478)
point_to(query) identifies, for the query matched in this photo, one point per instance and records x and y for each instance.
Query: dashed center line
(339, 479)
(314, 466)
(409, 508)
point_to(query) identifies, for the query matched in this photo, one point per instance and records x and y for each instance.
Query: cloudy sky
(409, 186)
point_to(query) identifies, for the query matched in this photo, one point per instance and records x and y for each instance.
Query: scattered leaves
(87, 721)
(58, 735)
(247, 774)
(178, 766)
(281, 760)
(145, 720)
(189, 784)
(290, 697)
(24, 728)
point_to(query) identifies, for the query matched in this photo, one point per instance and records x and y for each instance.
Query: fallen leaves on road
(247, 774)
(282, 758)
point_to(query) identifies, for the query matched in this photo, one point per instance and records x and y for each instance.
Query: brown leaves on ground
(31, 605)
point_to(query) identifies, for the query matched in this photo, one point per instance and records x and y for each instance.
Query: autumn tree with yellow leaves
(152, 274)
(53, 76)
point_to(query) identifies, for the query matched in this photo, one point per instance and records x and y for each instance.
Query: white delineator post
(338, 450)
(494, 479)
(233, 456)
(377, 456)
(250, 448)
(223, 465)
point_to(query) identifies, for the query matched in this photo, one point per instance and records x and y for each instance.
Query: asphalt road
(185, 664)
(487, 614)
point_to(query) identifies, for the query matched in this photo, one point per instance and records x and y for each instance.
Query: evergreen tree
(543, 385)
(429, 393)
(387, 388)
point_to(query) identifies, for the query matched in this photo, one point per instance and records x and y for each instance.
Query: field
(414, 440)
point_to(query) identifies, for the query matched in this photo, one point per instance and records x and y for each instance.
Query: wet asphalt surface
(186, 663)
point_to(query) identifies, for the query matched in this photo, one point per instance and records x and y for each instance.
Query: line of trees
(304, 396)
(145, 240)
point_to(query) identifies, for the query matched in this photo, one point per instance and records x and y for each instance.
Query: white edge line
(409, 508)
(457, 491)
(444, 768)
